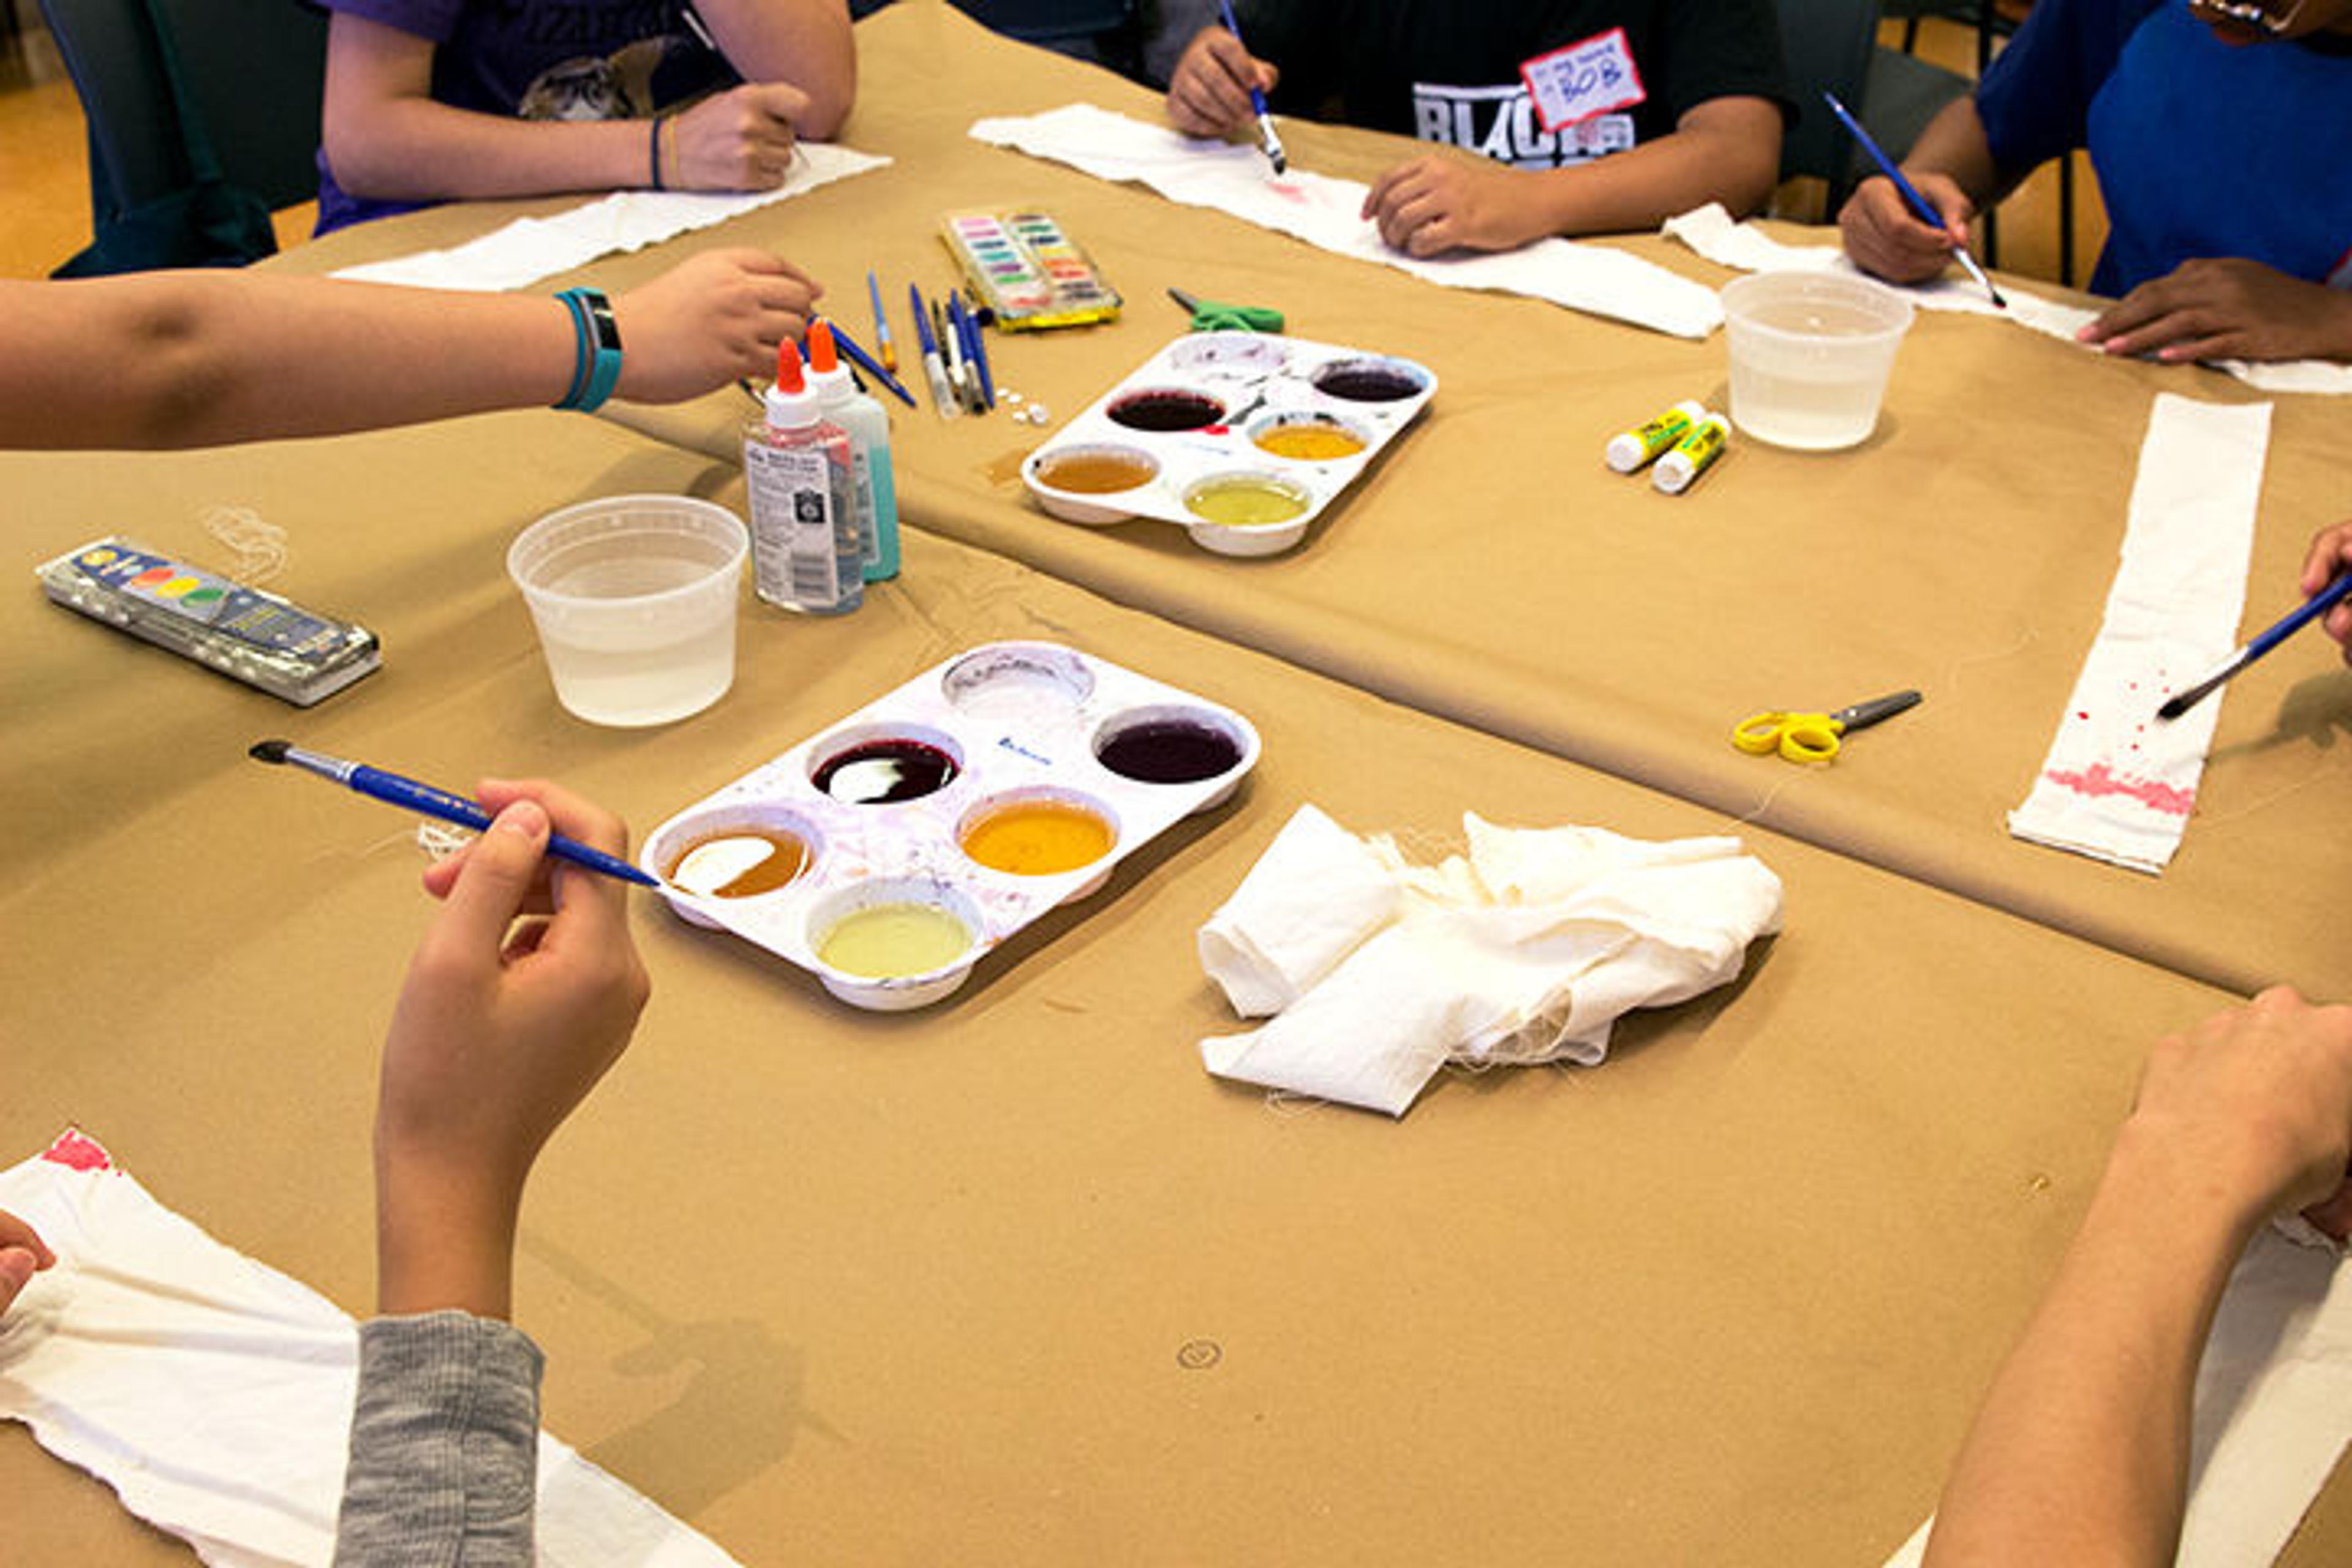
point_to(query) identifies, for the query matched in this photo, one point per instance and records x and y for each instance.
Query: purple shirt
(539, 59)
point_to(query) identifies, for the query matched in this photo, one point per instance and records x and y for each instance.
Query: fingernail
(524, 818)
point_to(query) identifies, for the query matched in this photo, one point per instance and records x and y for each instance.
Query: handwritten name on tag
(1582, 79)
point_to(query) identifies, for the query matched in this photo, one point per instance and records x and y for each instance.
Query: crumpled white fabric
(1328, 213)
(1526, 950)
(2119, 783)
(2273, 1403)
(531, 248)
(214, 1395)
(1711, 231)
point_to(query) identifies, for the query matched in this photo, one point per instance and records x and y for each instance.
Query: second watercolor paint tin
(1243, 437)
(888, 854)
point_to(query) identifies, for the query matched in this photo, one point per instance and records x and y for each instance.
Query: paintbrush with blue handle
(2318, 605)
(1921, 207)
(1265, 136)
(425, 800)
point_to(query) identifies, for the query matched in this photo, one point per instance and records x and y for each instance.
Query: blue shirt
(2201, 148)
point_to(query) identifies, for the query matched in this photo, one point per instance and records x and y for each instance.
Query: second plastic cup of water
(1811, 354)
(635, 600)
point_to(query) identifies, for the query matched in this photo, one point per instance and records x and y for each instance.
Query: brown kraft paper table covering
(1489, 569)
(1012, 1280)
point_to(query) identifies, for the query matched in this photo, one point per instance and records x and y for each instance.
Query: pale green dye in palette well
(1245, 503)
(891, 942)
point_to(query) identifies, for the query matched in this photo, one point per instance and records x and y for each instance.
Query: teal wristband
(598, 341)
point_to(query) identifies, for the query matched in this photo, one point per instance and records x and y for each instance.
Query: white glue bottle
(868, 424)
(806, 555)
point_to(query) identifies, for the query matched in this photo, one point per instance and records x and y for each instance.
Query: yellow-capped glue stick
(1631, 450)
(1697, 451)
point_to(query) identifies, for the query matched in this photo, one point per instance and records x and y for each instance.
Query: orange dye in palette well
(1096, 473)
(1037, 839)
(739, 863)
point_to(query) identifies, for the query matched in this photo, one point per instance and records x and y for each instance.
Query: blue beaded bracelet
(597, 366)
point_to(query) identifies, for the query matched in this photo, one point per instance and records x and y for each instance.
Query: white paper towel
(214, 1395)
(1526, 950)
(1329, 214)
(531, 248)
(2119, 783)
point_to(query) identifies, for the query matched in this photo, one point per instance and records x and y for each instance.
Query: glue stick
(868, 427)
(1693, 455)
(1629, 449)
(805, 552)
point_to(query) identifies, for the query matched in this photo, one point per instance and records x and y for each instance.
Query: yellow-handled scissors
(1813, 737)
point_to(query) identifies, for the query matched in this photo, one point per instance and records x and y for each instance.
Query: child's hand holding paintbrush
(1218, 86)
(2330, 558)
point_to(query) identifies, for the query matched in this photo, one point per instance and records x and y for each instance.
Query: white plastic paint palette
(891, 852)
(1242, 437)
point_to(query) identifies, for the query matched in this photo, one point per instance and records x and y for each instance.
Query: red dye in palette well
(2098, 780)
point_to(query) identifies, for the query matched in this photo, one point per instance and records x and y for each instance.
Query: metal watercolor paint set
(888, 854)
(1242, 437)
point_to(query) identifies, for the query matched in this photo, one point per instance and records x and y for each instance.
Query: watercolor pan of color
(1243, 438)
(891, 851)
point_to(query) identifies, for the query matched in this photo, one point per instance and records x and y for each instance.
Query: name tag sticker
(1582, 79)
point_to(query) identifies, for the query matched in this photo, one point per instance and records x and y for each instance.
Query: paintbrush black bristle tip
(269, 751)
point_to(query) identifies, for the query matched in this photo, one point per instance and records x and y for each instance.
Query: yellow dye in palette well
(1245, 503)
(1037, 839)
(1310, 441)
(888, 942)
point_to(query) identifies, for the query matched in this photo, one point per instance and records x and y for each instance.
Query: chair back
(249, 73)
(1827, 45)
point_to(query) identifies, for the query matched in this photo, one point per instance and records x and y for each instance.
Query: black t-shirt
(1448, 70)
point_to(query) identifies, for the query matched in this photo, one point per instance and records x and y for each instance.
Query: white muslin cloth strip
(2119, 783)
(531, 248)
(1526, 950)
(214, 1395)
(2273, 1406)
(1328, 213)
(1711, 231)
(1310, 901)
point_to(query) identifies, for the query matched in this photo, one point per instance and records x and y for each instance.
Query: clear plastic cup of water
(1811, 354)
(635, 600)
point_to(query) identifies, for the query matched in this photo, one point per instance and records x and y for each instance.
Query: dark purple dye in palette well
(1170, 752)
(880, 772)
(1367, 383)
(1167, 411)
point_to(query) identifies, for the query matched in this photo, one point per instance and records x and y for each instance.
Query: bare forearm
(2080, 1454)
(197, 358)
(805, 43)
(1643, 186)
(444, 1240)
(414, 149)
(1954, 146)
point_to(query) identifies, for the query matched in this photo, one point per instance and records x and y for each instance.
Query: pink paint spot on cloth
(76, 1151)
(2098, 780)
(1287, 191)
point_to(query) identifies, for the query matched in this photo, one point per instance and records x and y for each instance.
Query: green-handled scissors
(1813, 737)
(1215, 316)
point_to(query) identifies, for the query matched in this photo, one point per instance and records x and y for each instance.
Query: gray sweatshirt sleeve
(444, 1444)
